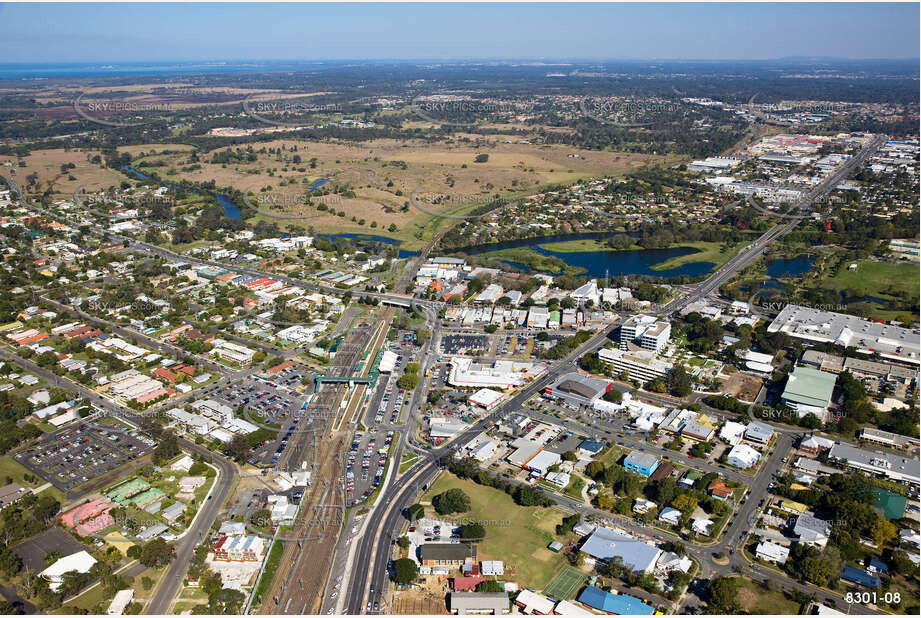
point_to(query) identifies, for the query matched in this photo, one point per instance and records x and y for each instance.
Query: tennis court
(565, 584)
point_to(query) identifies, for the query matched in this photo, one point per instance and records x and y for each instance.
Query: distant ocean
(39, 70)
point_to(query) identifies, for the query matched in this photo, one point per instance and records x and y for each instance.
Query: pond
(780, 268)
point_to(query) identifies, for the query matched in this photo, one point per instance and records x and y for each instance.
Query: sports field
(566, 584)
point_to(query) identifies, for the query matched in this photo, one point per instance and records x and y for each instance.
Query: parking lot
(366, 461)
(386, 402)
(72, 457)
(274, 399)
(461, 344)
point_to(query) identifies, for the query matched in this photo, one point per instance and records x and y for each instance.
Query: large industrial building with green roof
(808, 391)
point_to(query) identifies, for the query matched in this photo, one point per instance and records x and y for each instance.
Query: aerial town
(428, 346)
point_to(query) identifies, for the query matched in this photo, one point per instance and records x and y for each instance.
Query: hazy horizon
(171, 33)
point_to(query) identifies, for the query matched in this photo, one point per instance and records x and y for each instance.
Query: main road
(395, 497)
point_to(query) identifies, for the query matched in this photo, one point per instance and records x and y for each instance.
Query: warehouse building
(809, 391)
(577, 389)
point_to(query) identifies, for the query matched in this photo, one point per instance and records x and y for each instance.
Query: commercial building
(645, 331)
(502, 374)
(892, 342)
(859, 577)
(887, 438)
(479, 603)
(530, 602)
(603, 544)
(11, 493)
(877, 463)
(120, 602)
(80, 562)
(233, 352)
(486, 398)
(808, 391)
(577, 389)
(643, 464)
(638, 364)
(760, 433)
(242, 548)
(732, 432)
(814, 445)
(451, 555)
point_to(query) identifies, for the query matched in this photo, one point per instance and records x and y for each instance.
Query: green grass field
(271, 565)
(517, 535)
(575, 487)
(566, 584)
(881, 279)
(579, 246)
(706, 252)
(9, 467)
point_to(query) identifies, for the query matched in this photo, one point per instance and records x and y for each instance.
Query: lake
(602, 263)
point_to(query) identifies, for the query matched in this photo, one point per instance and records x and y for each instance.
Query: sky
(35, 32)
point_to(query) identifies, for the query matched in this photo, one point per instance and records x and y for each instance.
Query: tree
(481, 158)
(403, 542)
(882, 531)
(168, 447)
(678, 381)
(226, 601)
(568, 524)
(721, 594)
(155, 554)
(451, 501)
(10, 563)
(405, 571)
(238, 447)
(613, 395)
(408, 381)
(490, 585)
(473, 532)
(415, 511)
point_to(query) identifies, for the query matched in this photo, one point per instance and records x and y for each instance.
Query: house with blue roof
(591, 447)
(620, 604)
(859, 577)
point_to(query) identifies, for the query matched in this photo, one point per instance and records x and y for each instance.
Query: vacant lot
(47, 165)
(522, 538)
(756, 599)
